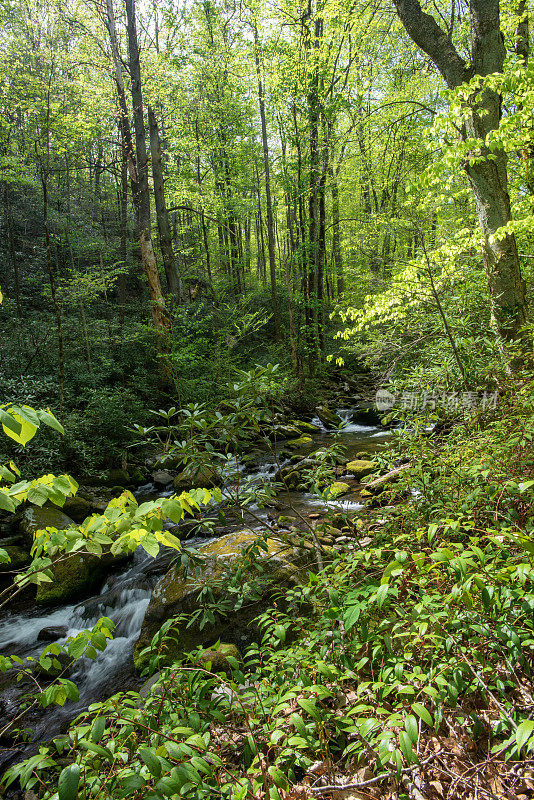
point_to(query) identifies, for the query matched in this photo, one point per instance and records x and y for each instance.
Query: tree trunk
(143, 197)
(487, 171)
(12, 250)
(268, 200)
(336, 234)
(162, 214)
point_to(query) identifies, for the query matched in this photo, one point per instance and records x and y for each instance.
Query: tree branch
(427, 34)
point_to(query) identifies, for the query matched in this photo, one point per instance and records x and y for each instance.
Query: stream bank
(127, 591)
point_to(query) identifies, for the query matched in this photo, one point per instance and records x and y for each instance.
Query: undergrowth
(412, 678)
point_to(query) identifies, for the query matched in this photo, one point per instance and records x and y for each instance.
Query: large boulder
(360, 468)
(178, 595)
(75, 576)
(328, 417)
(205, 477)
(78, 508)
(35, 518)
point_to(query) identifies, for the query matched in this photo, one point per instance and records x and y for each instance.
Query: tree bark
(486, 171)
(165, 238)
(143, 196)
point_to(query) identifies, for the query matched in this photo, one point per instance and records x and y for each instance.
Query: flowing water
(126, 594)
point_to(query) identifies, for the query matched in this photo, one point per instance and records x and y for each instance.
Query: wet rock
(52, 633)
(360, 468)
(74, 576)
(177, 594)
(137, 475)
(117, 477)
(36, 519)
(205, 477)
(328, 417)
(286, 432)
(161, 477)
(366, 414)
(286, 522)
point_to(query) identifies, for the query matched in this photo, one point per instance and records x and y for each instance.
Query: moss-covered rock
(215, 659)
(328, 417)
(36, 519)
(75, 576)
(305, 427)
(206, 477)
(360, 468)
(302, 441)
(19, 558)
(117, 477)
(286, 431)
(177, 594)
(78, 508)
(336, 489)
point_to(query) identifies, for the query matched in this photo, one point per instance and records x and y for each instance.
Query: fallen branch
(388, 476)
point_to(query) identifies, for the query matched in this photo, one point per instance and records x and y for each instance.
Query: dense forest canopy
(266, 286)
(239, 172)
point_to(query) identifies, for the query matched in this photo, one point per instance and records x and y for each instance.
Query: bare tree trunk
(143, 196)
(162, 214)
(268, 200)
(486, 170)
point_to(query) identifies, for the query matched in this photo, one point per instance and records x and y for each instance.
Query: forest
(266, 400)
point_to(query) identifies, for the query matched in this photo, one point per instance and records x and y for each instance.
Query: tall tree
(165, 237)
(486, 168)
(143, 194)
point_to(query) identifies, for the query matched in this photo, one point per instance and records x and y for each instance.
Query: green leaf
(423, 713)
(153, 763)
(351, 616)
(48, 418)
(6, 503)
(97, 731)
(412, 729)
(524, 732)
(27, 429)
(279, 779)
(68, 782)
(406, 747)
(382, 594)
(9, 422)
(310, 708)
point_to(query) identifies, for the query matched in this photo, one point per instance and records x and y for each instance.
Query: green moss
(336, 489)
(360, 468)
(74, 576)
